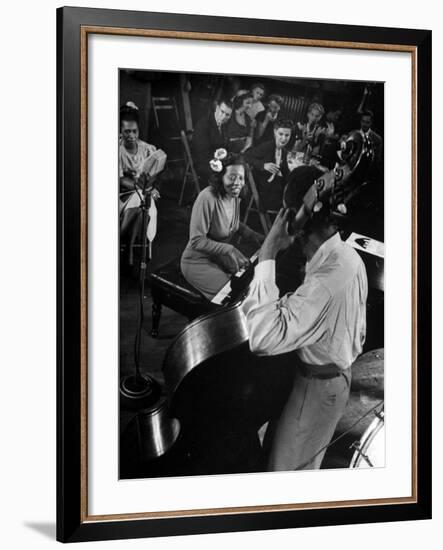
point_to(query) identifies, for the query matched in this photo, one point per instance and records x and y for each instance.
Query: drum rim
(366, 439)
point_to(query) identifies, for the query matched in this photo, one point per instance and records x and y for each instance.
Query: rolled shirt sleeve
(280, 325)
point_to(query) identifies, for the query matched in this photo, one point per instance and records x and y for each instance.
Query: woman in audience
(258, 92)
(210, 257)
(309, 135)
(270, 165)
(240, 128)
(134, 172)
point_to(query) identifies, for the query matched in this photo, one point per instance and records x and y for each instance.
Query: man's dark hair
(284, 123)
(238, 100)
(226, 101)
(275, 97)
(299, 181)
(258, 85)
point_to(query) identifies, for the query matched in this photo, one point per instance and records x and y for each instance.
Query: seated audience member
(265, 120)
(240, 127)
(258, 91)
(210, 257)
(269, 163)
(330, 143)
(332, 121)
(372, 196)
(139, 164)
(309, 135)
(210, 135)
(366, 121)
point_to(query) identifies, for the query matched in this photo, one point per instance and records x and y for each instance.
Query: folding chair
(166, 117)
(255, 204)
(190, 173)
(296, 107)
(168, 106)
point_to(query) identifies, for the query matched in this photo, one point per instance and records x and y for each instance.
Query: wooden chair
(255, 204)
(190, 173)
(165, 108)
(166, 118)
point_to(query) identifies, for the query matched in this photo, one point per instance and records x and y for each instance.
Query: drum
(370, 449)
(362, 425)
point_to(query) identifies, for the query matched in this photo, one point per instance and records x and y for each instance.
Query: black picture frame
(72, 520)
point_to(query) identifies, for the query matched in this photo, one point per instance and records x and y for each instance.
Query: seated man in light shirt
(323, 322)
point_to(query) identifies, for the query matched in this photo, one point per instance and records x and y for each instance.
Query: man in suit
(372, 197)
(366, 121)
(270, 165)
(210, 135)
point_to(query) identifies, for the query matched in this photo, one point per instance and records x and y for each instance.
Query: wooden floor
(172, 235)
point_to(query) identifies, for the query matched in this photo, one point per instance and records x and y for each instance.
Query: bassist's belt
(321, 372)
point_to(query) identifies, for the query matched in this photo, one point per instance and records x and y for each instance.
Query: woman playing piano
(210, 257)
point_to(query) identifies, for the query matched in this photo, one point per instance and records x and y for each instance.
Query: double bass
(218, 390)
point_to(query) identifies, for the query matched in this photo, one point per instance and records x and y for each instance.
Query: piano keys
(236, 288)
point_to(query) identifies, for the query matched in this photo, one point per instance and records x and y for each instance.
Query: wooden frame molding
(83, 526)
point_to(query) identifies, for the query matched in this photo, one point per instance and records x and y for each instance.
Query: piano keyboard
(224, 296)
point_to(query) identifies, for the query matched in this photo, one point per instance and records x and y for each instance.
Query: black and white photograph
(251, 273)
(217, 284)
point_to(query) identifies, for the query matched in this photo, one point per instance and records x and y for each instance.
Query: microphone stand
(141, 390)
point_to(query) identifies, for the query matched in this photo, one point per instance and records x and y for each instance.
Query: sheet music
(371, 246)
(155, 163)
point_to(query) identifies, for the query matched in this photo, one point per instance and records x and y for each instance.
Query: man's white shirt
(324, 319)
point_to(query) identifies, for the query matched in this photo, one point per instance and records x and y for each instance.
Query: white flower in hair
(220, 154)
(132, 105)
(216, 165)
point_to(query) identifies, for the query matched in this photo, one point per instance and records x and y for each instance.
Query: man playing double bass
(323, 321)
